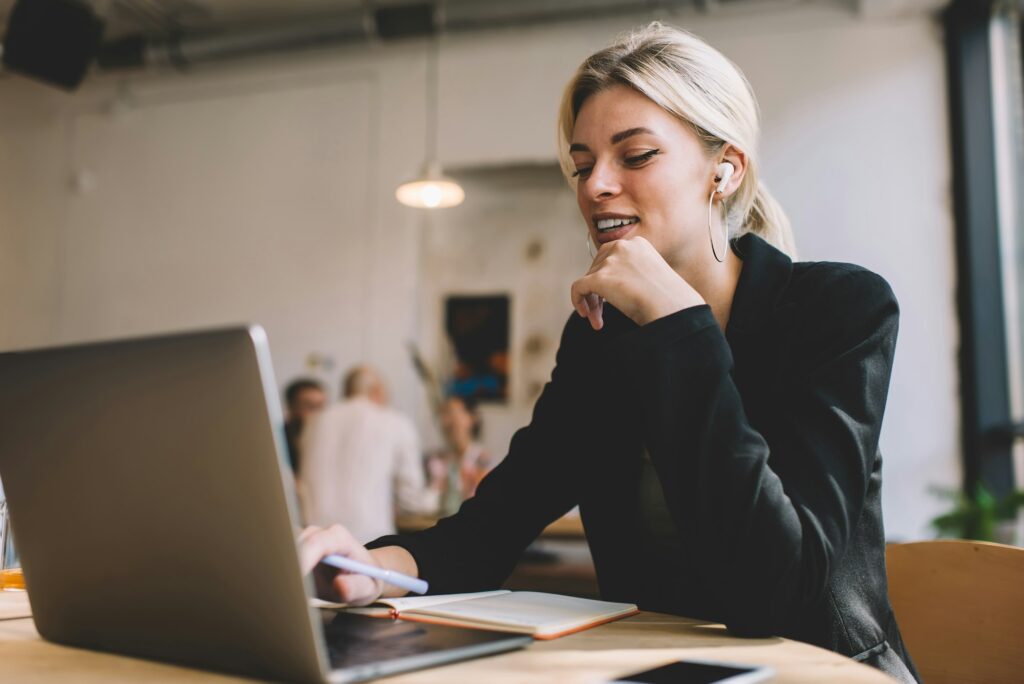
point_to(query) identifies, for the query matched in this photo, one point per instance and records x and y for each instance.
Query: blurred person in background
(361, 462)
(457, 469)
(304, 397)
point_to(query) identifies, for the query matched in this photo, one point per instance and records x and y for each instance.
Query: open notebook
(544, 616)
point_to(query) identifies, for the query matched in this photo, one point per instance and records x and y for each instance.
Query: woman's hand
(338, 585)
(637, 281)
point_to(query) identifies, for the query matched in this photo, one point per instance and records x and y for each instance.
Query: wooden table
(630, 645)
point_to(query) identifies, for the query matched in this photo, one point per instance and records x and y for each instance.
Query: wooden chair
(960, 607)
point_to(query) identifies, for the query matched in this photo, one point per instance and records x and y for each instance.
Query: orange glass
(12, 579)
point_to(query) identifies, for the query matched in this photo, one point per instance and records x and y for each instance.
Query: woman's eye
(641, 158)
(583, 173)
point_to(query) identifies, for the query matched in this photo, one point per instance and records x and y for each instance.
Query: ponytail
(768, 221)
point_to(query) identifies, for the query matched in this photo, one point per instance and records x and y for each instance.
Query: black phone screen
(684, 672)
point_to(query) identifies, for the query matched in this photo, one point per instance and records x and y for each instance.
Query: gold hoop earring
(725, 230)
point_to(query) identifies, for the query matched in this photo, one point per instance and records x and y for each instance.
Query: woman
(457, 470)
(715, 408)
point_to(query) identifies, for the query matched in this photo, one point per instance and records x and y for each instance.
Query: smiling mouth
(605, 225)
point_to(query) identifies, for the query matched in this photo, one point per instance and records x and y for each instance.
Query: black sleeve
(477, 548)
(763, 538)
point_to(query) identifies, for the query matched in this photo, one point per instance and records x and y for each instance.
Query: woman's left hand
(636, 280)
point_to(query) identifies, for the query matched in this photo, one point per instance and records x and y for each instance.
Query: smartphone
(700, 672)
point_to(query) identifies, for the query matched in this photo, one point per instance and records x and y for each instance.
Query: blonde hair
(702, 88)
(360, 381)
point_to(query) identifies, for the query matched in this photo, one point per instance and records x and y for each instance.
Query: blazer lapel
(758, 313)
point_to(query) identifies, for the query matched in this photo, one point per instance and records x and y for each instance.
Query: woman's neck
(716, 282)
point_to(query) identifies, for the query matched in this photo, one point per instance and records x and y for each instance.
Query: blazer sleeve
(478, 547)
(764, 524)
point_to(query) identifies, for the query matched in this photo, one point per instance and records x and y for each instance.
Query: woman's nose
(603, 182)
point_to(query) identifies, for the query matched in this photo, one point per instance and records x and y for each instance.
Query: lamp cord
(433, 56)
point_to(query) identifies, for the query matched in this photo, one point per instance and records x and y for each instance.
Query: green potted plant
(982, 516)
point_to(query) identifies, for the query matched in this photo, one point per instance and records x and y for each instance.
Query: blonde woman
(715, 407)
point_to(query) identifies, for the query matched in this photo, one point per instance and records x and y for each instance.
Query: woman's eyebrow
(629, 133)
(616, 138)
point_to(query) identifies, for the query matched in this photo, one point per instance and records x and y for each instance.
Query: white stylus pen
(412, 584)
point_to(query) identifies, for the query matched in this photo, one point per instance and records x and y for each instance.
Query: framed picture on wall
(478, 329)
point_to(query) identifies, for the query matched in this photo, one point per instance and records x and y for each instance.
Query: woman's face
(640, 171)
(456, 419)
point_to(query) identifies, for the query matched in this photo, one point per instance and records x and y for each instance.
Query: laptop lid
(155, 515)
(151, 504)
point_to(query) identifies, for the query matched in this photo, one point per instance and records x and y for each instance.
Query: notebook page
(538, 612)
(403, 603)
(326, 605)
(415, 602)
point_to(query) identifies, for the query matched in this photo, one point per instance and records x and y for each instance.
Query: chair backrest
(960, 608)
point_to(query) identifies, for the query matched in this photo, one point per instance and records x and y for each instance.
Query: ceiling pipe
(384, 23)
(188, 49)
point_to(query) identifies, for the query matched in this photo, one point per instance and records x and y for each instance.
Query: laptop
(155, 515)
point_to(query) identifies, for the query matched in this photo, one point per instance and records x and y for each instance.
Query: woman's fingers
(588, 284)
(315, 543)
(636, 279)
(601, 256)
(579, 300)
(311, 550)
(356, 589)
(587, 302)
(619, 267)
(596, 306)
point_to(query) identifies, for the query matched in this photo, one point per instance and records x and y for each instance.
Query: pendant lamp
(431, 189)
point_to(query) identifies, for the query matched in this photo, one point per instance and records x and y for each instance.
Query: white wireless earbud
(725, 171)
(722, 175)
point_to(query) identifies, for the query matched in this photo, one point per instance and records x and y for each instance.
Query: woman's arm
(478, 547)
(766, 525)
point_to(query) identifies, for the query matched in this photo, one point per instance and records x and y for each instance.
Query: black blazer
(765, 442)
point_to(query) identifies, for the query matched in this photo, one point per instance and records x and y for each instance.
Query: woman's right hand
(633, 277)
(332, 584)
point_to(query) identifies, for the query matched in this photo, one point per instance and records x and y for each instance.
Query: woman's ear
(738, 158)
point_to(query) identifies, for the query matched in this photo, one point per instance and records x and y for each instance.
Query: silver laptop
(154, 514)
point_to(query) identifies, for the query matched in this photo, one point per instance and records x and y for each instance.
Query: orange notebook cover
(543, 616)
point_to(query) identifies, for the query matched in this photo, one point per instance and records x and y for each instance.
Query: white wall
(31, 207)
(518, 233)
(263, 191)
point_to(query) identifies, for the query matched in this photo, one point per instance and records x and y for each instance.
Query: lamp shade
(432, 190)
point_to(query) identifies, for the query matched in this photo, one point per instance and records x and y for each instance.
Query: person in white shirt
(361, 461)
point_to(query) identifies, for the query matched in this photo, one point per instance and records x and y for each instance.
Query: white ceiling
(161, 17)
(156, 16)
